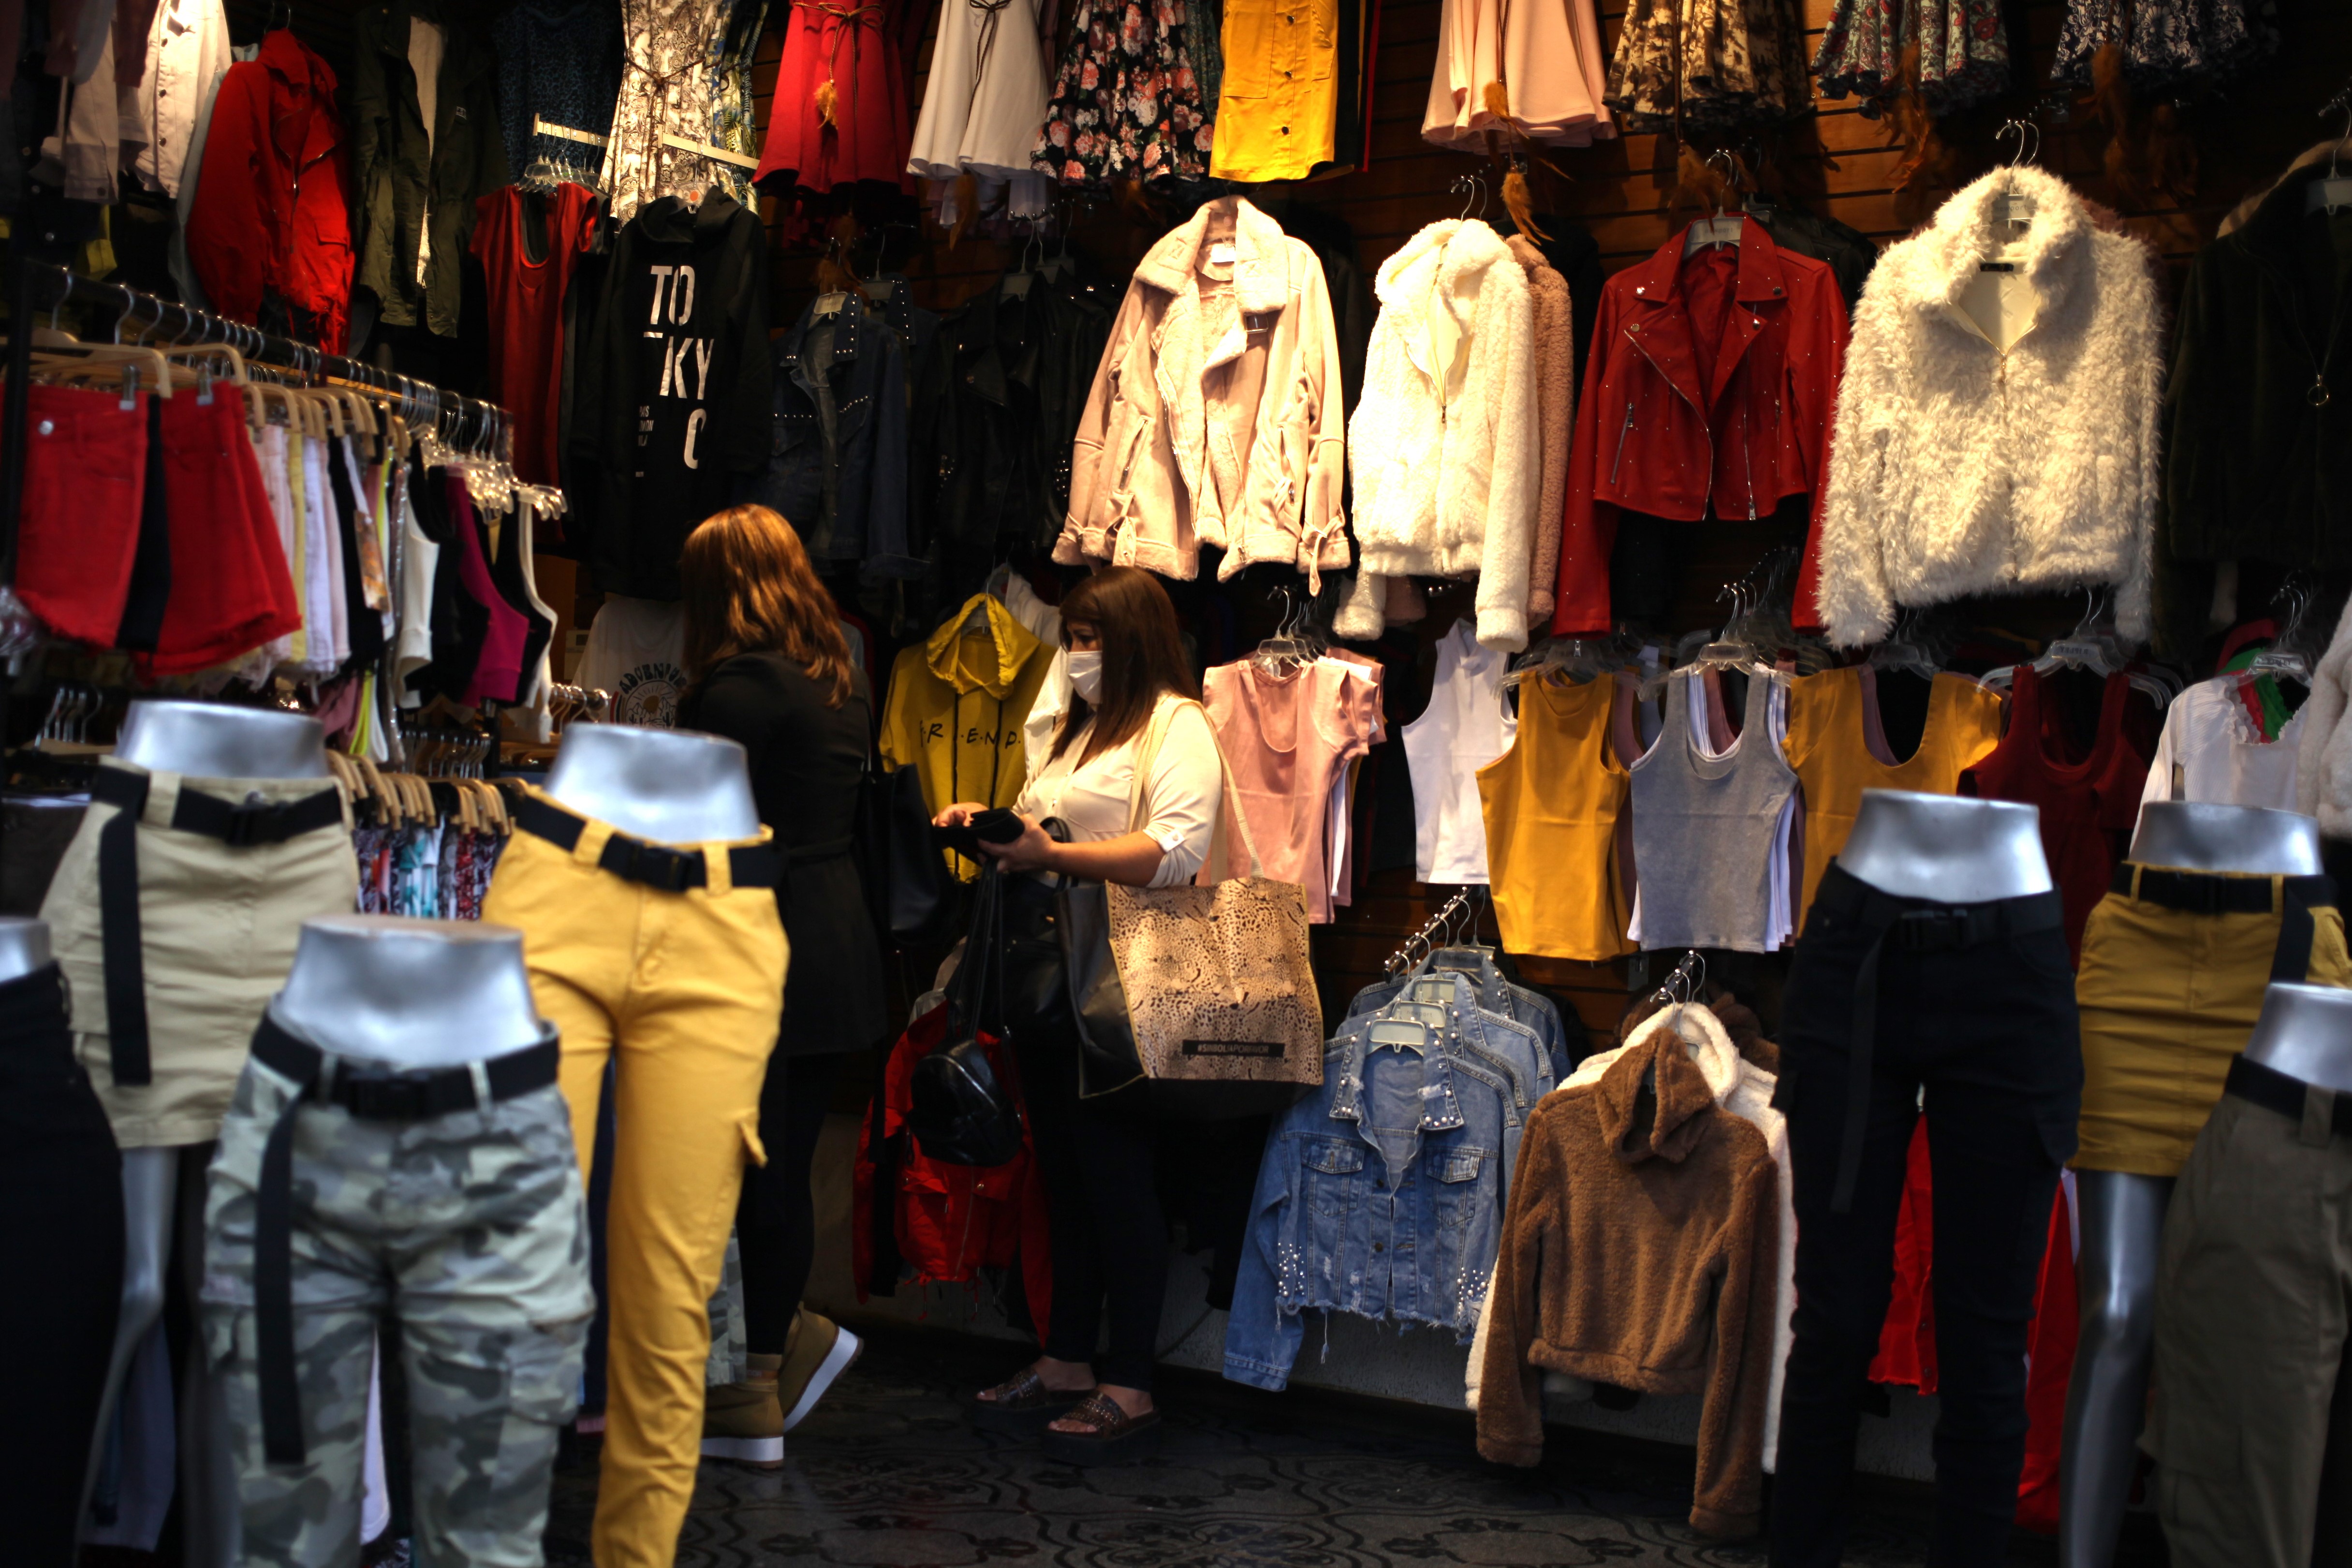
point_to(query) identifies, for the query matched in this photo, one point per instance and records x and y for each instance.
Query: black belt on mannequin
(2213, 892)
(372, 1097)
(1919, 925)
(238, 824)
(2274, 1091)
(642, 861)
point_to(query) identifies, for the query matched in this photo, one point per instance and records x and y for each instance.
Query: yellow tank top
(1828, 726)
(1552, 804)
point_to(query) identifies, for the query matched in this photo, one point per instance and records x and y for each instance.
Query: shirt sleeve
(1181, 797)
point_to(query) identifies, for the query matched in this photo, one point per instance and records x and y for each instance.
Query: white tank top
(1463, 729)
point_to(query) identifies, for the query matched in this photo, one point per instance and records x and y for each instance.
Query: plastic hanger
(1723, 229)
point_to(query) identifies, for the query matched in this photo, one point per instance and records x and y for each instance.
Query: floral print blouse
(1126, 102)
(1963, 51)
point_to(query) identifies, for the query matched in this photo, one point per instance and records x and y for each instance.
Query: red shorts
(231, 589)
(84, 480)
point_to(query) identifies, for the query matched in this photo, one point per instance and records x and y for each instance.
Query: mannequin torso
(2305, 1032)
(2195, 836)
(210, 740)
(673, 786)
(1944, 847)
(410, 994)
(24, 946)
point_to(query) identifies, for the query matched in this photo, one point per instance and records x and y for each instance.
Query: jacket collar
(2276, 229)
(1932, 271)
(1261, 269)
(960, 661)
(848, 326)
(1663, 333)
(1434, 283)
(1703, 1037)
(303, 132)
(671, 222)
(1653, 1102)
(1439, 1107)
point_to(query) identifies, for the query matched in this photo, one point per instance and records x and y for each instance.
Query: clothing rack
(1402, 959)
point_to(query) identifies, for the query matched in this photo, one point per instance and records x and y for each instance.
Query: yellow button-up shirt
(1277, 112)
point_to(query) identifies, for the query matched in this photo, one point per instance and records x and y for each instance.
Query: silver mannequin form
(2197, 836)
(671, 786)
(211, 740)
(204, 740)
(410, 994)
(24, 946)
(1946, 847)
(2122, 1212)
(2305, 1032)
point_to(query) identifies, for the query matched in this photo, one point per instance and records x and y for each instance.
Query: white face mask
(1086, 674)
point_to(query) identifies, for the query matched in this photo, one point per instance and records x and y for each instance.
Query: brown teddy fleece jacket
(1638, 1250)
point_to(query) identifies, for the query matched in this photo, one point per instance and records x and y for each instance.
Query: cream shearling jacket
(1957, 469)
(1445, 447)
(1216, 416)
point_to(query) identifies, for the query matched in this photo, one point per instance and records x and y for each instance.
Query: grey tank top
(1704, 827)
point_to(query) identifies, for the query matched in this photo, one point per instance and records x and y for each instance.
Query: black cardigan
(806, 762)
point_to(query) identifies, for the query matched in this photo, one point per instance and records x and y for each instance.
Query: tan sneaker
(742, 1421)
(816, 1352)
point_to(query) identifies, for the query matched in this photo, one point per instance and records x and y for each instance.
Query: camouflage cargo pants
(466, 1229)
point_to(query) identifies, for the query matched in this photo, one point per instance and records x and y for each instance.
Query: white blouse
(1179, 798)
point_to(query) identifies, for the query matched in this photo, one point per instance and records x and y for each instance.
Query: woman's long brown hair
(749, 589)
(1143, 655)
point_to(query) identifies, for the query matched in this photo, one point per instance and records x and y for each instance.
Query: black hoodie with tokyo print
(674, 408)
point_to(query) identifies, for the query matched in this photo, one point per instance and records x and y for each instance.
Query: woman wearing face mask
(1110, 1242)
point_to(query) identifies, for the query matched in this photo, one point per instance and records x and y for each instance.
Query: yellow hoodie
(956, 707)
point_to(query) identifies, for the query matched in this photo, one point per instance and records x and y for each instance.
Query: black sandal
(1112, 1436)
(1021, 1404)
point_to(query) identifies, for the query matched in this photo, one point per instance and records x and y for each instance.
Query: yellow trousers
(682, 991)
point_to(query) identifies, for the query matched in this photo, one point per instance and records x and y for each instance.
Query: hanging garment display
(984, 102)
(1464, 728)
(423, 100)
(1641, 1248)
(637, 651)
(2169, 49)
(528, 243)
(1713, 67)
(734, 102)
(673, 406)
(955, 708)
(2257, 438)
(1850, 253)
(2174, 966)
(1963, 52)
(1442, 450)
(1982, 1016)
(1289, 738)
(1125, 103)
(1709, 394)
(1215, 417)
(1555, 373)
(559, 66)
(2213, 749)
(1277, 109)
(1552, 803)
(187, 59)
(837, 465)
(470, 1220)
(175, 914)
(1381, 1194)
(1709, 830)
(1838, 745)
(271, 213)
(2247, 1419)
(1550, 65)
(1996, 430)
(2088, 805)
(667, 95)
(61, 1202)
(2323, 768)
(841, 98)
(691, 1040)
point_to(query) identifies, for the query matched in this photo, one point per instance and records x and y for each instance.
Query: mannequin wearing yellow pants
(682, 990)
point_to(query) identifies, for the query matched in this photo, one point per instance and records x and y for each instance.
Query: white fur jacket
(1445, 448)
(1957, 469)
(2323, 762)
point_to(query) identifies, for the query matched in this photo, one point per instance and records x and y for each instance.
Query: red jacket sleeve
(229, 226)
(1817, 343)
(1589, 530)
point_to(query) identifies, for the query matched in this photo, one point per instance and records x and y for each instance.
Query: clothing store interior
(1438, 781)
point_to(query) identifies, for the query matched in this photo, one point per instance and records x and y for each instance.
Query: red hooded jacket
(272, 210)
(1709, 387)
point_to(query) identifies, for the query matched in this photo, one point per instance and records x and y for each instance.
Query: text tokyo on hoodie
(680, 408)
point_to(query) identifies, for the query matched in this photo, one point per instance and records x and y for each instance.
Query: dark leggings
(775, 1222)
(1111, 1241)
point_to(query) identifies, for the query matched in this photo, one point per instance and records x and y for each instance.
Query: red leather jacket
(1709, 387)
(272, 210)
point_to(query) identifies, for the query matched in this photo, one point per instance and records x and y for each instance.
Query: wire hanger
(1471, 187)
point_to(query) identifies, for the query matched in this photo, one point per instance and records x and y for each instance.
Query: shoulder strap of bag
(1230, 822)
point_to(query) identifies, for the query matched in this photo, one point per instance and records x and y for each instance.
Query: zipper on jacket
(1620, 463)
(1748, 461)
